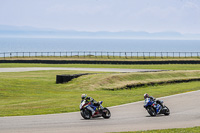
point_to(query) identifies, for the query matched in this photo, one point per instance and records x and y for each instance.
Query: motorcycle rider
(153, 99)
(92, 103)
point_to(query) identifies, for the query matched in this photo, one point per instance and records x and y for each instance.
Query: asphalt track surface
(129, 117)
(23, 69)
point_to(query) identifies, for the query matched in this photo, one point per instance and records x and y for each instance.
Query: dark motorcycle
(155, 107)
(87, 114)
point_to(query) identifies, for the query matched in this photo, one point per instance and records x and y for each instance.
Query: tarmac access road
(129, 117)
(23, 69)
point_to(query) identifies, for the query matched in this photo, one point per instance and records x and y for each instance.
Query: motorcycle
(99, 112)
(155, 107)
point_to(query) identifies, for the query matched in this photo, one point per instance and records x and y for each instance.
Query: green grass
(174, 130)
(163, 67)
(31, 93)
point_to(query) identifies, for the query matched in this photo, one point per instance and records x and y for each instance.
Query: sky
(104, 15)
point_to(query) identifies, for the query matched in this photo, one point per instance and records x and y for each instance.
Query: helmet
(83, 96)
(146, 95)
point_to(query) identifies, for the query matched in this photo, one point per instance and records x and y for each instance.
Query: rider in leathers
(153, 99)
(92, 103)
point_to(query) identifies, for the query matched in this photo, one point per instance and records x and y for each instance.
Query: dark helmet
(83, 96)
(146, 95)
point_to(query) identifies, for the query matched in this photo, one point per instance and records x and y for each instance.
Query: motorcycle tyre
(151, 111)
(104, 115)
(85, 114)
(167, 112)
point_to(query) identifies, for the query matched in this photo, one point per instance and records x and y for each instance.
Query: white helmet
(83, 96)
(146, 95)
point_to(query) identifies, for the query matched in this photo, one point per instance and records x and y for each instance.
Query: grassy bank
(31, 93)
(174, 130)
(162, 67)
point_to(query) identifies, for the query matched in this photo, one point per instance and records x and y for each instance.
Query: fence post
(143, 56)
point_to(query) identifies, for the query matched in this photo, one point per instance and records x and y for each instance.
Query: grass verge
(174, 130)
(33, 93)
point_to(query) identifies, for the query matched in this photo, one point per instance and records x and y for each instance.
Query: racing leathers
(156, 101)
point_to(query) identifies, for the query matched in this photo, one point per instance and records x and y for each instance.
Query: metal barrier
(102, 54)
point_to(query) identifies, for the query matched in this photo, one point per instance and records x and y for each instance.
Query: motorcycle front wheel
(106, 113)
(167, 111)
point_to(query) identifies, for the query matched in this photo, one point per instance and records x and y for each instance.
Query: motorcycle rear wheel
(151, 111)
(85, 114)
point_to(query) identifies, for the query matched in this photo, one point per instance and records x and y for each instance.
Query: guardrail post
(108, 55)
(143, 56)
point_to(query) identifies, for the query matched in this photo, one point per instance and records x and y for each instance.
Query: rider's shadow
(93, 119)
(159, 115)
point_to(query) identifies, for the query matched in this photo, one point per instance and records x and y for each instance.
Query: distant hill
(25, 31)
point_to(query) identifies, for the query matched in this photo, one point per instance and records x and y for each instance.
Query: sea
(105, 45)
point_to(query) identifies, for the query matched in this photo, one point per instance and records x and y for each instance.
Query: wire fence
(95, 54)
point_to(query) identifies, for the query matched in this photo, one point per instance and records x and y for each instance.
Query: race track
(130, 117)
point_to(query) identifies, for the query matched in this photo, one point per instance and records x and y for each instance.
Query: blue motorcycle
(155, 107)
